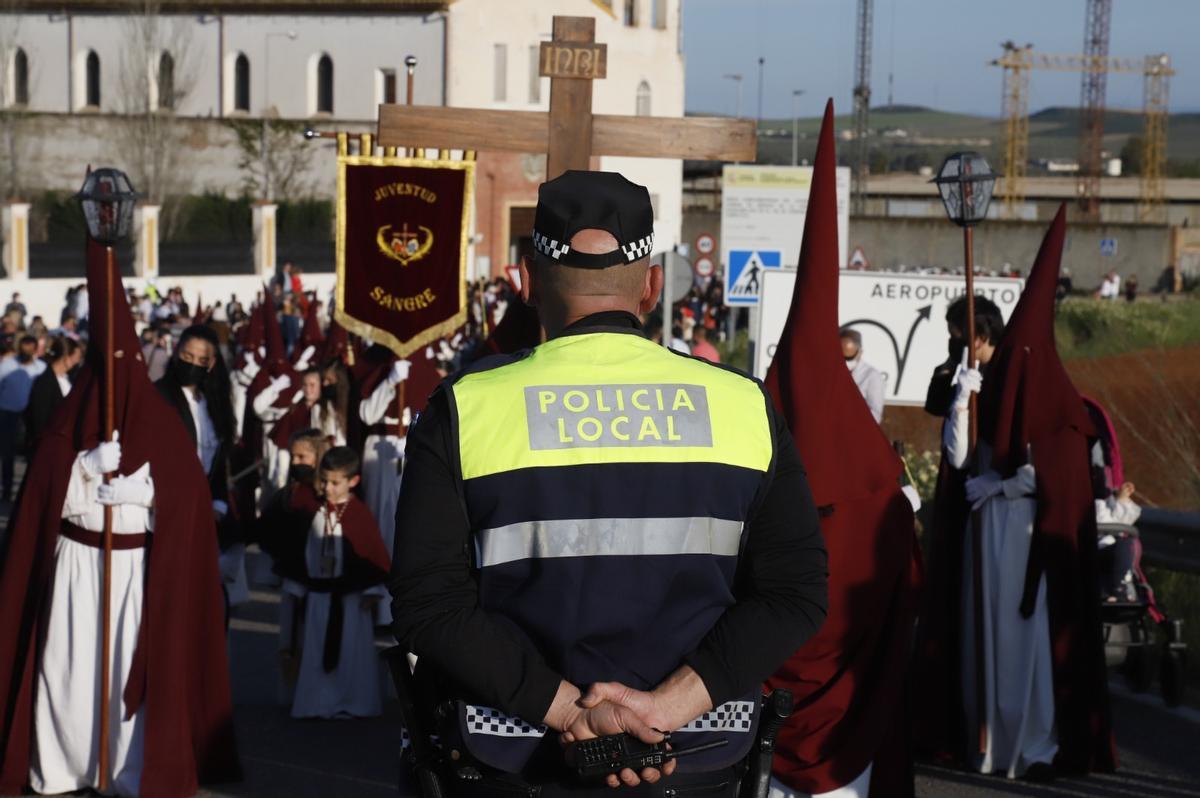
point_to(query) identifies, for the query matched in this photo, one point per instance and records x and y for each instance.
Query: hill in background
(905, 137)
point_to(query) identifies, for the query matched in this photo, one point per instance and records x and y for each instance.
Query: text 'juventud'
(569, 416)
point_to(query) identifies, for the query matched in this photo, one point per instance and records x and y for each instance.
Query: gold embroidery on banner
(404, 245)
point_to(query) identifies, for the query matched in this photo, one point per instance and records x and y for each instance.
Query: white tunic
(65, 755)
(274, 458)
(382, 455)
(859, 787)
(353, 688)
(1018, 662)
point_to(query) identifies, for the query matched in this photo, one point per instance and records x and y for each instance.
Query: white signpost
(762, 223)
(901, 317)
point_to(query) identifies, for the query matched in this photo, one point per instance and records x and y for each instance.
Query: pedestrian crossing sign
(743, 277)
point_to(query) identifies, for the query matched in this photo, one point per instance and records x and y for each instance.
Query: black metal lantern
(966, 183)
(107, 199)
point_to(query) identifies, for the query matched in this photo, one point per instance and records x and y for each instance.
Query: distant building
(76, 70)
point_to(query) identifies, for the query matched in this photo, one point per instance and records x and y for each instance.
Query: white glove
(983, 487)
(302, 363)
(262, 351)
(399, 371)
(127, 490)
(968, 381)
(251, 368)
(913, 497)
(280, 383)
(220, 508)
(105, 458)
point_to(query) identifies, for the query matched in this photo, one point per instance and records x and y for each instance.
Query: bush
(1087, 328)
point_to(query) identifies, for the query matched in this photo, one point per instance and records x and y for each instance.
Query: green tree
(1131, 156)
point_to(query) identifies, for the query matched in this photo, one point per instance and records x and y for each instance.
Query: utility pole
(761, 62)
(862, 106)
(738, 80)
(796, 126)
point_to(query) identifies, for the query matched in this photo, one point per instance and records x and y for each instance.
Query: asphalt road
(1159, 748)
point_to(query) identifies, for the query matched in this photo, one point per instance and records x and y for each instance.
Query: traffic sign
(743, 278)
(1108, 247)
(705, 244)
(704, 266)
(858, 260)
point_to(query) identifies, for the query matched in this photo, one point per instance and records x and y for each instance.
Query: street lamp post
(107, 199)
(737, 78)
(268, 188)
(965, 183)
(796, 125)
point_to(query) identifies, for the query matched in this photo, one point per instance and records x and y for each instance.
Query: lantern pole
(106, 200)
(969, 213)
(106, 595)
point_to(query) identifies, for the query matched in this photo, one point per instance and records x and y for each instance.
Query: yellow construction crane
(1018, 62)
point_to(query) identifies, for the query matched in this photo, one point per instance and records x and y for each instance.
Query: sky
(937, 50)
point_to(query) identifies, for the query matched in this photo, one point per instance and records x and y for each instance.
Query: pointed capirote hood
(1027, 394)
(132, 391)
(276, 362)
(310, 335)
(336, 344)
(845, 452)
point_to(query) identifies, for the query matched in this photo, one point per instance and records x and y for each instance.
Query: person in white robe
(274, 461)
(1018, 663)
(383, 453)
(65, 754)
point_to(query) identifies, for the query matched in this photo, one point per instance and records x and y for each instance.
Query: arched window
(20, 78)
(166, 81)
(325, 85)
(241, 83)
(643, 99)
(92, 81)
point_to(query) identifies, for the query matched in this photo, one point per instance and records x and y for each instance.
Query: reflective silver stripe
(732, 716)
(599, 537)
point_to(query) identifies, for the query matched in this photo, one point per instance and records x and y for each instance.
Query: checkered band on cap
(633, 251)
(549, 247)
(636, 250)
(494, 723)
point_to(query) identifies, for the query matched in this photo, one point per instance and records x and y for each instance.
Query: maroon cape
(849, 679)
(180, 673)
(1027, 401)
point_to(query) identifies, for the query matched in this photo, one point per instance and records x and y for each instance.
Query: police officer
(600, 535)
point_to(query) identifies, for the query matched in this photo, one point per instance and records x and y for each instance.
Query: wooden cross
(570, 133)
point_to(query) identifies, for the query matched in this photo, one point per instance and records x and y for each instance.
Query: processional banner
(402, 229)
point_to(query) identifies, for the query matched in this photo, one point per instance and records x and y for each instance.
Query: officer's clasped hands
(602, 718)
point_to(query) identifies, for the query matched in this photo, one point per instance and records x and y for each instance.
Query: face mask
(189, 374)
(850, 361)
(302, 473)
(329, 392)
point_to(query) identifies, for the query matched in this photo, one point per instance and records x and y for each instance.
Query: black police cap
(579, 200)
